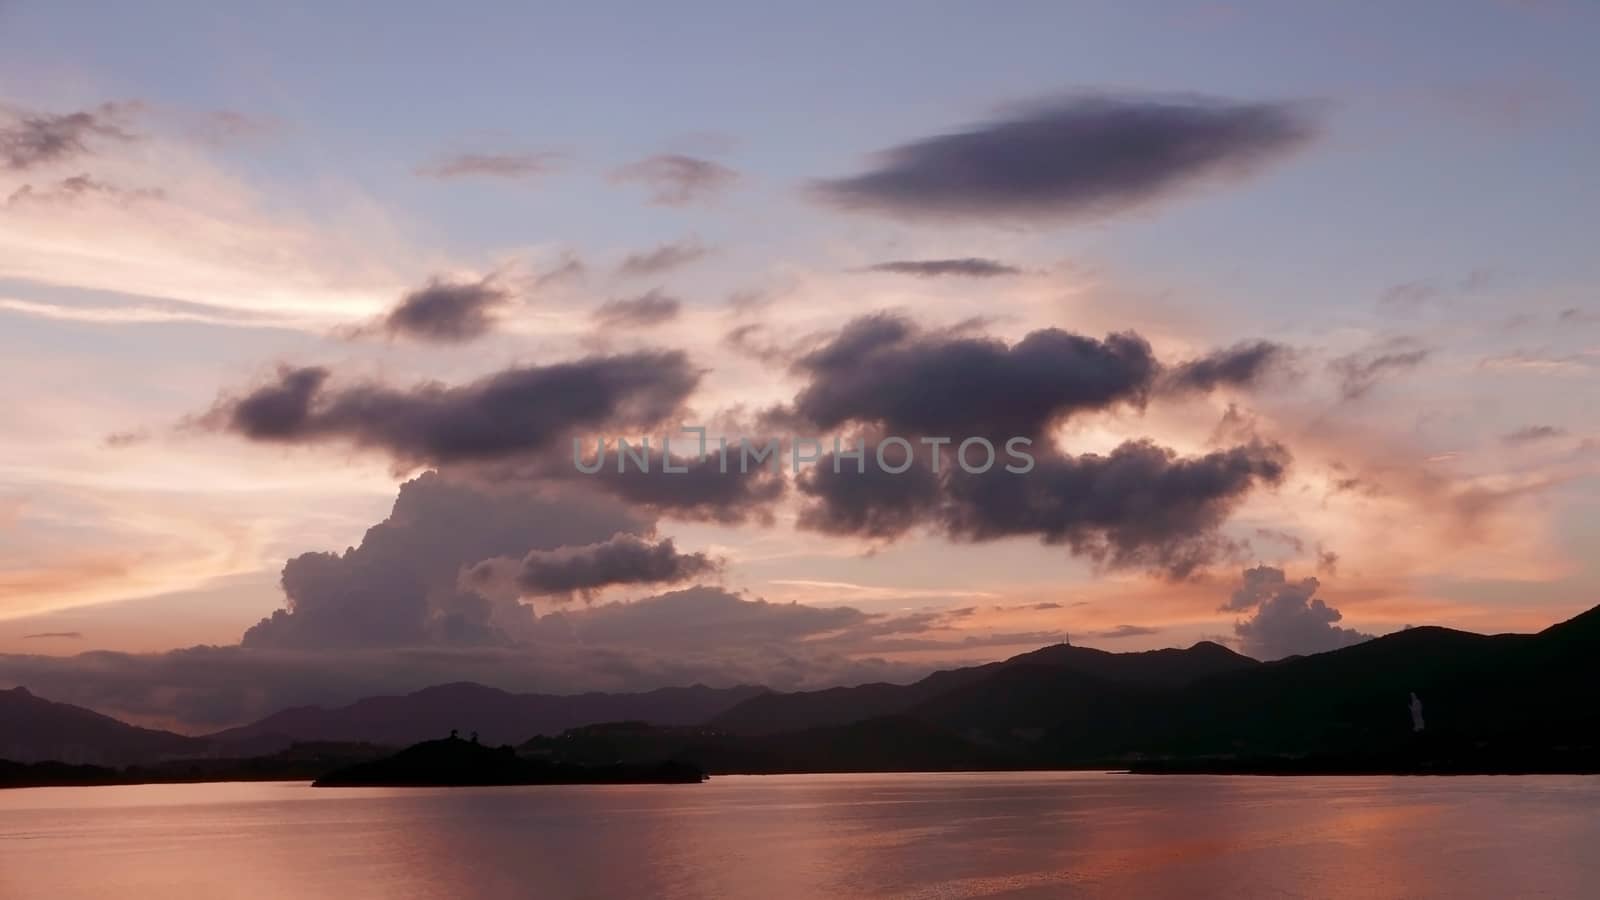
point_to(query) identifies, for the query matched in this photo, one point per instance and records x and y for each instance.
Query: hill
(33, 729)
(771, 713)
(499, 717)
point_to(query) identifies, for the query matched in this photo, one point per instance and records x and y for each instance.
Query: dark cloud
(968, 267)
(1125, 631)
(1286, 619)
(583, 571)
(648, 309)
(1360, 372)
(448, 312)
(1085, 157)
(883, 370)
(1242, 365)
(1140, 506)
(1533, 434)
(402, 586)
(491, 165)
(677, 180)
(29, 141)
(54, 635)
(511, 412)
(663, 258)
(699, 489)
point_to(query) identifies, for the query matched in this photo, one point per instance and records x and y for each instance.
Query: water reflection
(897, 836)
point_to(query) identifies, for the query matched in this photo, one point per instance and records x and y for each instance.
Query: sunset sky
(1282, 294)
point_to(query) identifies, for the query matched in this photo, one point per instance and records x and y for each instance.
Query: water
(832, 836)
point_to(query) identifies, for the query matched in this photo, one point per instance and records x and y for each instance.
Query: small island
(454, 762)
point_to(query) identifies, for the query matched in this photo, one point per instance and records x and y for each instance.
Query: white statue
(1416, 712)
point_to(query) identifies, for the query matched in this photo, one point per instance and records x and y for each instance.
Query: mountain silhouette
(499, 716)
(1495, 703)
(33, 729)
(775, 712)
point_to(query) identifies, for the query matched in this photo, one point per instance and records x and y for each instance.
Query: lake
(1005, 835)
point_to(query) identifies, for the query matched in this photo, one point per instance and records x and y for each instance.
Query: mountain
(1524, 700)
(499, 717)
(33, 729)
(770, 713)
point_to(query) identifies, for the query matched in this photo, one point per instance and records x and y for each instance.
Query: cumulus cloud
(1242, 365)
(663, 258)
(490, 165)
(401, 585)
(447, 312)
(1089, 156)
(1359, 372)
(583, 571)
(966, 267)
(646, 310)
(1286, 618)
(514, 411)
(677, 180)
(29, 141)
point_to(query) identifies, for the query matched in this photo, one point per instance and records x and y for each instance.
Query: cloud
(1361, 371)
(1086, 157)
(514, 411)
(1124, 631)
(1139, 507)
(79, 187)
(401, 586)
(1242, 365)
(884, 370)
(583, 571)
(663, 258)
(570, 268)
(1544, 363)
(31, 141)
(646, 310)
(966, 267)
(1286, 618)
(54, 635)
(1533, 434)
(707, 618)
(447, 312)
(677, 180)
(697, 489)
(491, 165)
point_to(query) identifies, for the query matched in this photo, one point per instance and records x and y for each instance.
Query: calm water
(944, 836)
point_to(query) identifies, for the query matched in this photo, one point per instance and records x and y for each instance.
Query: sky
(301, 312)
